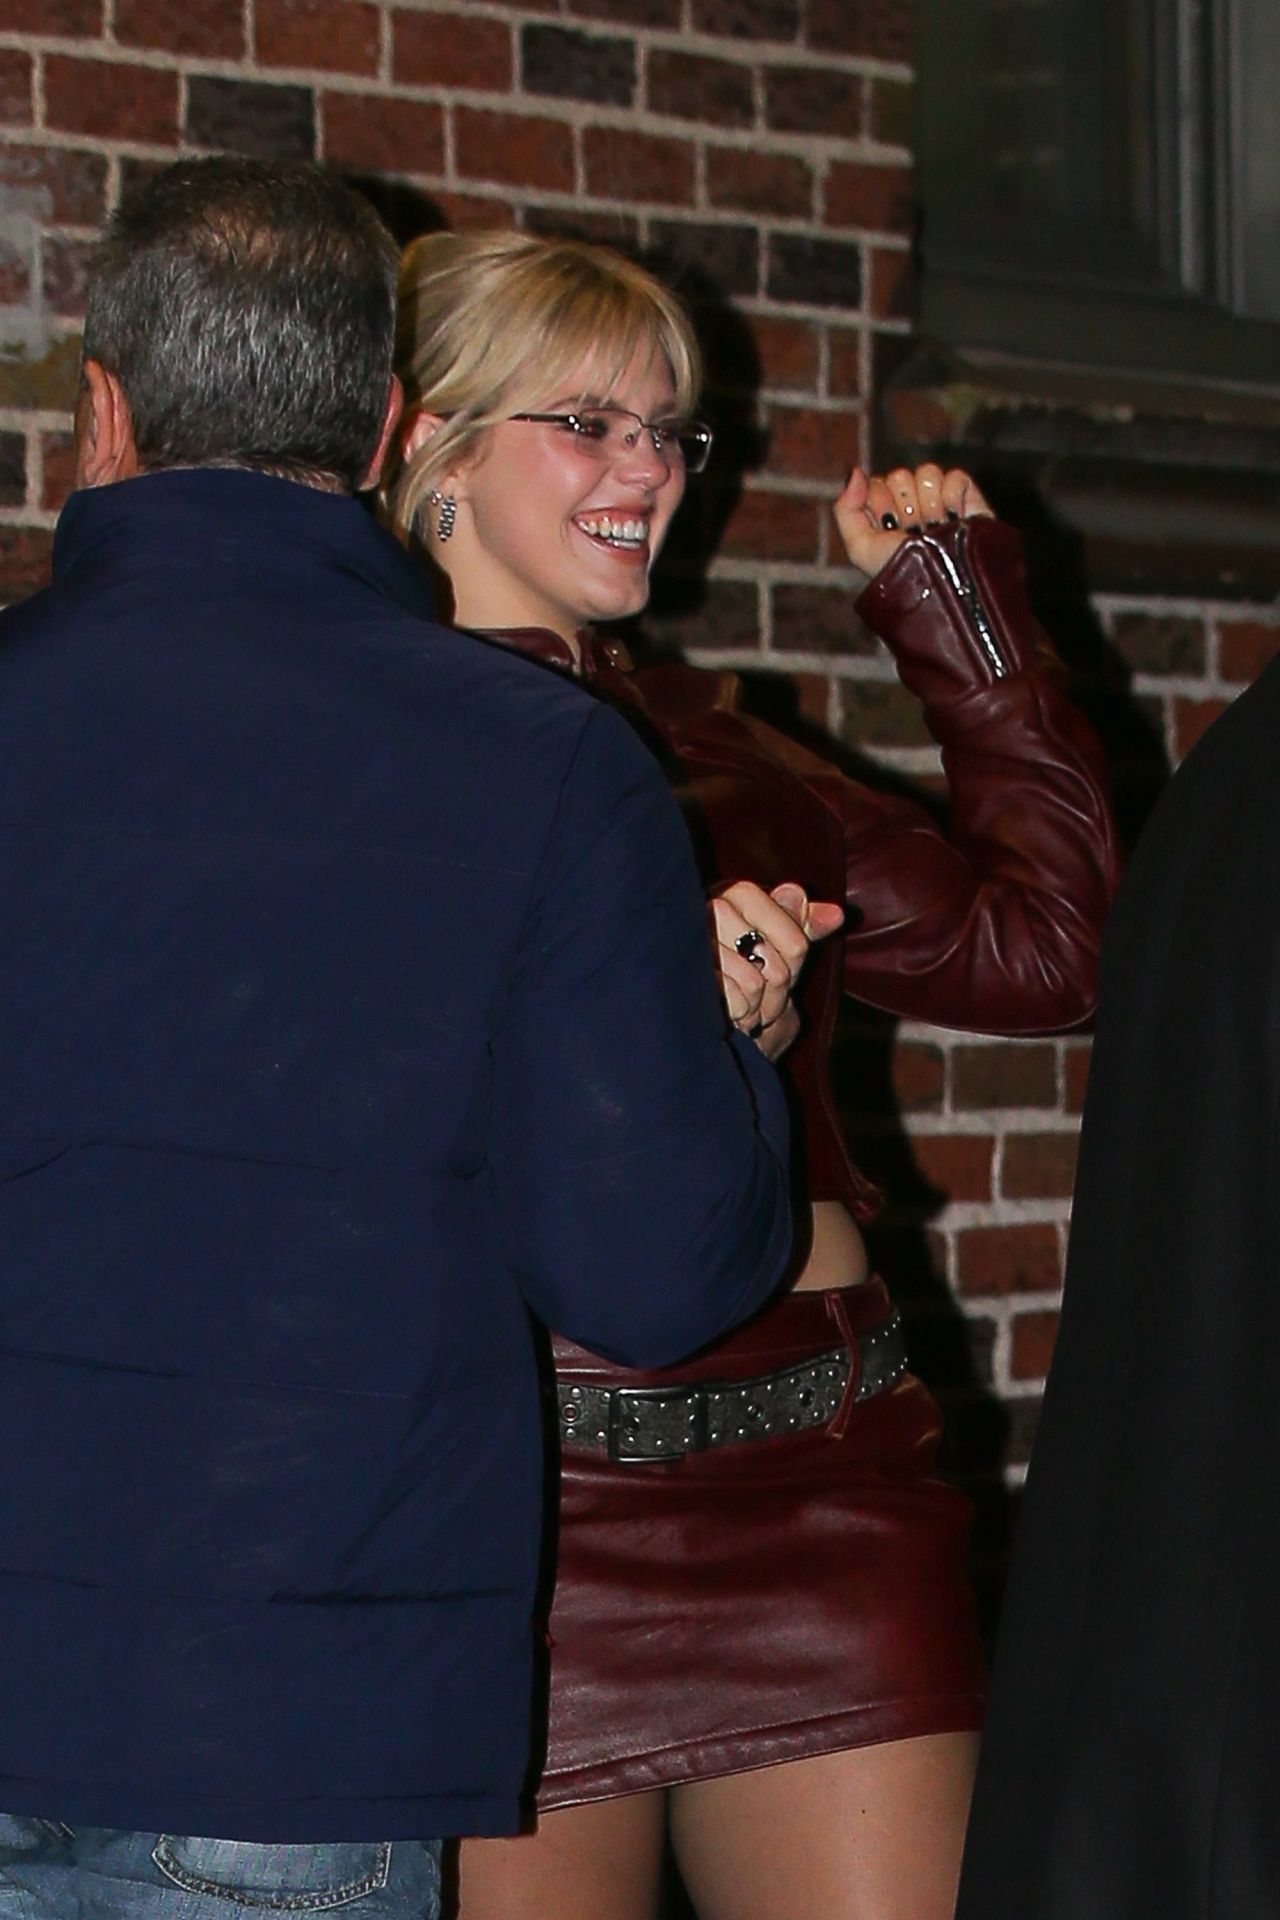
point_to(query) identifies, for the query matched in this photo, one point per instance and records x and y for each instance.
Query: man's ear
(390, 421)
(105, 446)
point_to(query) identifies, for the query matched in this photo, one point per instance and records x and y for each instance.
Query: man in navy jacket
(355, 999)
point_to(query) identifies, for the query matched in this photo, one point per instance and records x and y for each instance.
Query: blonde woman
(761, 1635)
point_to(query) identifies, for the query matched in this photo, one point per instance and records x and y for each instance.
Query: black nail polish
(952, 514)
(889, 521)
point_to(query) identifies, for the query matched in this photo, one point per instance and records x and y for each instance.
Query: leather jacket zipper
(962, 581)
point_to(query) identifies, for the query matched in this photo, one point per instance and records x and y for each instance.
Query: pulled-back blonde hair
(494, 322)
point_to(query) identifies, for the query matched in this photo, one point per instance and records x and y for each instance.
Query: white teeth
(619, 533)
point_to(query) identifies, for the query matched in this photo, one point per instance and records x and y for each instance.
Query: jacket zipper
(962, 581)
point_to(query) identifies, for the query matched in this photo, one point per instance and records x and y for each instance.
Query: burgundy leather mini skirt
(764, 1599)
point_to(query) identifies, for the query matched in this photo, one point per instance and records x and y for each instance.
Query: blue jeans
(52, 1872)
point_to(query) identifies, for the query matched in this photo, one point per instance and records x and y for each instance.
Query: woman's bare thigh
(873, 1833)
(595, 1862)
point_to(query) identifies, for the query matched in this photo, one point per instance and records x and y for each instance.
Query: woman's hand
(762, 940)
(876, 514)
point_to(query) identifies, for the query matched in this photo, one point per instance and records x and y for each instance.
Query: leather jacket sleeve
(995, 924)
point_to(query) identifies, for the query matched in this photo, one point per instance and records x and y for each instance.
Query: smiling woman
(760, 1630)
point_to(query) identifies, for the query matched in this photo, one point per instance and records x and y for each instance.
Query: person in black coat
(1132, 1754)
(356, 1003)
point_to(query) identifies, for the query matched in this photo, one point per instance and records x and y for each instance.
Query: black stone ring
(746, 944)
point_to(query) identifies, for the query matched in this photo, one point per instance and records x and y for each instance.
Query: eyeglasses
(606, 433)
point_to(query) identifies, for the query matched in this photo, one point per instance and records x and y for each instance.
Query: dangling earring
(448, 512)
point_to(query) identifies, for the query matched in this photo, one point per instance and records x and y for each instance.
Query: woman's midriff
(837, 1252)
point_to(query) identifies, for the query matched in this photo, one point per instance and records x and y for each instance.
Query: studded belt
(662, 1423)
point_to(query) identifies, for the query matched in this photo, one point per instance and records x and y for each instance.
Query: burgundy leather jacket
(994, 924)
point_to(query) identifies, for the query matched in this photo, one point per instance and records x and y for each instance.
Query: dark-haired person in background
(356, 985)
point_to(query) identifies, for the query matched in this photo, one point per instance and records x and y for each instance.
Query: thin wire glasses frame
(604, 433)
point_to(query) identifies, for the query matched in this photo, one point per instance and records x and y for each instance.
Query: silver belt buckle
(665, 1446)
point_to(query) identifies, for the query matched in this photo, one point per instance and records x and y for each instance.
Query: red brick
(881, 198)
(893, 110)
(726, 615)
(1161, 643)
(451, 50)
(473, 210)
(773, 526)
(821, 100)
(892, 288)
(15, 87)
(1245, 647)
(1018, 1259)
(817, 619)
(1191, 720)
(383, 135)
(59, 460)
(338, 36)
(13, 469)
(69, 19)
(748, 19)
(66, 274)
(844, 364)
(628, 166)
(24, 562)
(1076, 1057)
(518, 150)
(813, 697)
(777, 183)
(1038, 1166)
(880, 713)
(788, 351)
(695, 88)
(211, 27)
(919, 1075)
(1005, 1074)
(636, 13)
(881, 29)
(15, 274)
(1032, 1339)
(957, 1164)
(806, 444)
(110, 99)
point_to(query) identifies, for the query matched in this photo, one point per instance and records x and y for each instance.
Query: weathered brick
(695, 87)
(919, 1075)
(807, 444)
(814, 273)
(636, 13)
(1245, 647)
(110, 99)
(337, 36)
(517, 149)
(721, 259)
(74, 182)
(881, 198)
(611, 227)
(578, 66)
(1039, 1166)
(1076, 1057)
(209, 27)
(247, 116)
(880, 713)
(57, 454)
(471, 210)
(24, 562)
(68, 19)
(628, 166)
(724, 613)
(844, 363)
(823, 100)
(748, 19)
(15, 273)
(957, 1165)
(788, 351)
(742, 179)
(1192, 720)
(818, 620)
(1000, 1260)
(1031, 1342)
(66, 274)
(451, 50)
(892, 291)
(1007, 1073)
(13, 469)
(16, 70)
(48, 382)
(880, 29)
(377, 134)
(893, 112)
(772, 526)
(1161, 643)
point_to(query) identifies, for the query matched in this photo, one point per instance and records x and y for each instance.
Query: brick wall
(762, 149)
